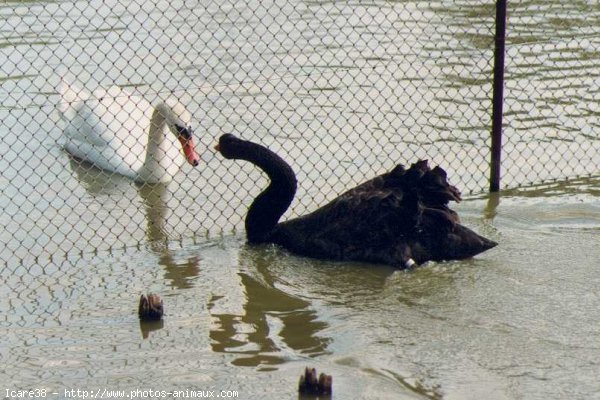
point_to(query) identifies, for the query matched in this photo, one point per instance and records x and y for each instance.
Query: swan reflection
(274, 324)
(97, 181)
(155, 200)
(107, 187)
(179, 273)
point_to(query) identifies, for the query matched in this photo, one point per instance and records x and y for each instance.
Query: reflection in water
(97, 181)
(155, 198)
(155, 202)
(180, 275)
(306, 396)
(150, 326)
(491, 208)
(273, 323)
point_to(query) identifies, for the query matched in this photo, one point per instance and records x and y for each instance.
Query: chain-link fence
(342, 90)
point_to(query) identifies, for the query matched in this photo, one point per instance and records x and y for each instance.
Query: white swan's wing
(125, 122)
(76, 110)
(103, 157)
(108, 128)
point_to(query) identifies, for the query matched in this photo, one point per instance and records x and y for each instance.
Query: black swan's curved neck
(271, 203)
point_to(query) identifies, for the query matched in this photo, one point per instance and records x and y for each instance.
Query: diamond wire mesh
(342, 90)
(553, 92)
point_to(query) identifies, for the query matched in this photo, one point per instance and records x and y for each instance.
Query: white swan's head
(178, 119)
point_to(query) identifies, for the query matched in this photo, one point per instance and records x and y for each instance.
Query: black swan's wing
(353, 221)
(396, 216)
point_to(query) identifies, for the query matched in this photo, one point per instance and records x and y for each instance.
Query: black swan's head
(226, 145)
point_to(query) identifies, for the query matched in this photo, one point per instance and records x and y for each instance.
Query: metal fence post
(498, 96)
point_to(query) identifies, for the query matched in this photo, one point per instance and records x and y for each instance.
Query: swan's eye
(185, 132)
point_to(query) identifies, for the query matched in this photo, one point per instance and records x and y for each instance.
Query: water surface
(518, 321)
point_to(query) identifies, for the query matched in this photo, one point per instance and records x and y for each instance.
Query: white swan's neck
(159, 163)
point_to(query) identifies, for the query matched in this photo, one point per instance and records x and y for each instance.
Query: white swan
(124, 133)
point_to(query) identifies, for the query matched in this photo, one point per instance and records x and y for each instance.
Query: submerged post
(498, 96)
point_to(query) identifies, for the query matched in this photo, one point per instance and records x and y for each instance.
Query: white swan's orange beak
(189, 150)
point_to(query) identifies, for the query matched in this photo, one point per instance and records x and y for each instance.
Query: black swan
(400, 218)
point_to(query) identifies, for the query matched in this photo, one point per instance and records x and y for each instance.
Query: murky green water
(79, 246)
(517, 322)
